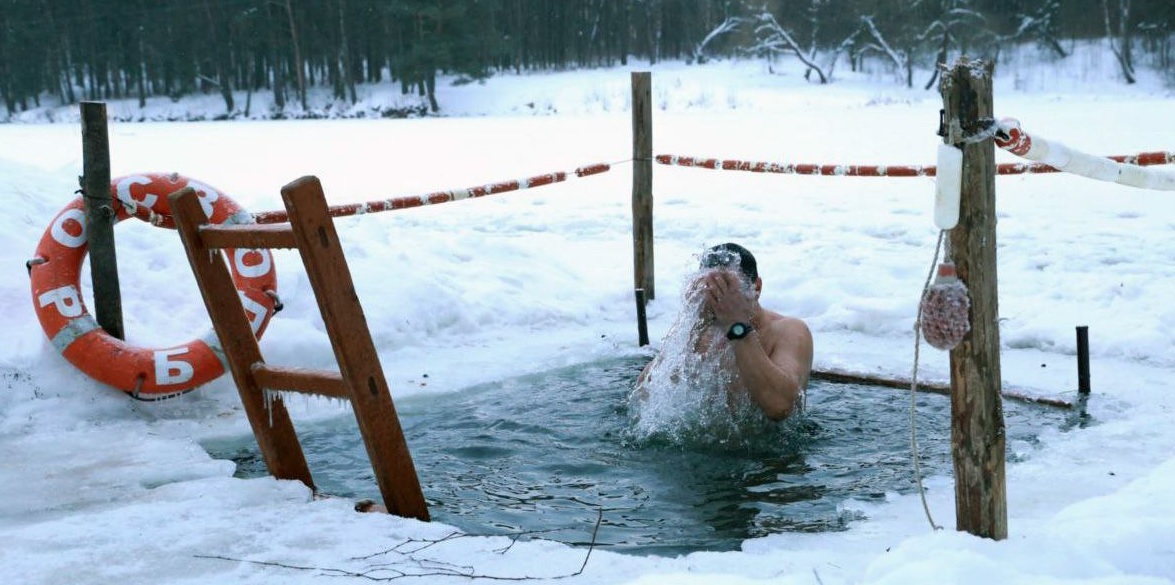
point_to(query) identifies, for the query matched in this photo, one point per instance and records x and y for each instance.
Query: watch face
(738, 331)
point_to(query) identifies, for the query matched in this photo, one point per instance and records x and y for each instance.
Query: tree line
(72, 50)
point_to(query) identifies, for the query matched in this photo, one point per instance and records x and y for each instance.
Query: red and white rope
(438, 197)
(1124, 171)
(798, 169)
(838, 170)
(1048, 157)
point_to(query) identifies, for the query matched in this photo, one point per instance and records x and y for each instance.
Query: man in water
(772, 354)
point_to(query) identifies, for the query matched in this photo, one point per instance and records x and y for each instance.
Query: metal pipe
(642, 324)
(1083, 359)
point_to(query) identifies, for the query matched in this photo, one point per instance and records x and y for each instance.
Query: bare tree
(957, 16)
(299, 65)
(900, 59)
(275, 61)
(1040, 25)
(347, 78)
(1120, 39)
(220, 54)
(772, 38)
(728, 26)
(768, 38)
(1158, 39)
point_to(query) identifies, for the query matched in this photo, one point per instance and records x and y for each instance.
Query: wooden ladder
(360, 378)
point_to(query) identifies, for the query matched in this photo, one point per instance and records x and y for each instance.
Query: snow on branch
(900, 60)
(728, 26)
(771, 37)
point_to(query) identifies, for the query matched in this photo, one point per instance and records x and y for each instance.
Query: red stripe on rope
(1145, 159)
(1014, 140)
(593, 169)
(798, 169)
(1017, 168)
(437, 197)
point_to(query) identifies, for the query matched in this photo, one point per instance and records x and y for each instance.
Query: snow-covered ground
(97, 488)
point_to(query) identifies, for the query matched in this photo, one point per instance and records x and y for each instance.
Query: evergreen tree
(68, 50)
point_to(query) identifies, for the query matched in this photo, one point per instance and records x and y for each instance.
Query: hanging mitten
(944, 309)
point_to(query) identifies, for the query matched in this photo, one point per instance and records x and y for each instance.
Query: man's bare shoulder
(787, 336)
(782, 326)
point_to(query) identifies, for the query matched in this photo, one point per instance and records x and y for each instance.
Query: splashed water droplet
(692, 394)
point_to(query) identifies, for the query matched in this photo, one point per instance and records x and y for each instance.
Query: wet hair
(731, 255)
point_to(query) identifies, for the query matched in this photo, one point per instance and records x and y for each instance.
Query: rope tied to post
(1060, 160)
(1124, 170)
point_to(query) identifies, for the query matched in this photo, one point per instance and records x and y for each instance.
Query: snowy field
(99, 489)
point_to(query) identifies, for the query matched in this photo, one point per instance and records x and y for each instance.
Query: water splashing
(691, 394)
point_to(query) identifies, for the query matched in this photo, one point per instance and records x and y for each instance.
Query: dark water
(542, 454)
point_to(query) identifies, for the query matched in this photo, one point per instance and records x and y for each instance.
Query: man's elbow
(782, 403)
(779, 411)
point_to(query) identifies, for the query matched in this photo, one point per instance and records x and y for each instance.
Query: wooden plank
(272, 426)
(278, 235)
(305, 381)
(642, 182)
(371, 399)
(977, 419)
(100, 218)
(846, 377)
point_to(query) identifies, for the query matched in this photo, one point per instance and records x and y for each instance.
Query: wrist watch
(739, 330)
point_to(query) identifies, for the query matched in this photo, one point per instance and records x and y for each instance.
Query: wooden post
(371, 399)
(977, 419)
(642, 181)
(100, 218)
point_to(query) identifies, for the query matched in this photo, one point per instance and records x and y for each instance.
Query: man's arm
(773, 362)
(775, 380)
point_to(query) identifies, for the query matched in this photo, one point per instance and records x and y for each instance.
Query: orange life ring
(144, 373)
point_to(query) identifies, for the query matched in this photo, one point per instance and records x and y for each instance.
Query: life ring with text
(144, 373)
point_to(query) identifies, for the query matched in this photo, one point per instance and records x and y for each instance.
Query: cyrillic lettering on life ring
(143, 372)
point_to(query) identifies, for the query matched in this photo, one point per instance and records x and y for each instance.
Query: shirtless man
(772, 353)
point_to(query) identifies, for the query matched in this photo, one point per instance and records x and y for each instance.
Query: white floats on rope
(1011, 137)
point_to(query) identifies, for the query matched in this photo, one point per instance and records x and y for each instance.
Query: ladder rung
(275, 235)
(305, 381)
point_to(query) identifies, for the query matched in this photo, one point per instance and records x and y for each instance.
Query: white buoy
(948, 186)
